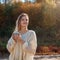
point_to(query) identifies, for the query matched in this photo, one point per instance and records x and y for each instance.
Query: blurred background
(44, 20)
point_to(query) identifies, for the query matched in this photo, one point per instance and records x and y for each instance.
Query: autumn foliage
(44, 19)
(48, 50)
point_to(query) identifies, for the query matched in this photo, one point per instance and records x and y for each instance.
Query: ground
(42, 57)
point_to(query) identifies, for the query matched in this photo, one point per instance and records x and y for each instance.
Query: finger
(13, 35)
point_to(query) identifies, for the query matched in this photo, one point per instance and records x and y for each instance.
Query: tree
(5, 2)
(49, 12)
(39, 1)
(26, 0)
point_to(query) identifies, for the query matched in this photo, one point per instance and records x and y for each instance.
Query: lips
(24, 23)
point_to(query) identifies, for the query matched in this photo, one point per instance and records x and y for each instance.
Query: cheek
(28, 22)
(21, 23)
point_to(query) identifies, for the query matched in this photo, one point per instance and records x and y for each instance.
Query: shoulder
(32, 32)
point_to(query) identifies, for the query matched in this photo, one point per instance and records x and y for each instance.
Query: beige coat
(25, 51)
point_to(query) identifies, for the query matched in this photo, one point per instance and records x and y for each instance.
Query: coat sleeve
(31, 45)
(10, 45)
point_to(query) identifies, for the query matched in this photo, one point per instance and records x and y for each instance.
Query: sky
(29, 0)
(22, 1)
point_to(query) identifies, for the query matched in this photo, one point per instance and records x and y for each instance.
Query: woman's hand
(17, 38)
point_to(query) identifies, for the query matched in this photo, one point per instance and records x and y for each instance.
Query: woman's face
(24, 21)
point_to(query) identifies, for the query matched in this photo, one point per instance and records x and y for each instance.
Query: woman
(23, 42)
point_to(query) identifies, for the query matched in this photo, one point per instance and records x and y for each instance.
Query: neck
(23, 29)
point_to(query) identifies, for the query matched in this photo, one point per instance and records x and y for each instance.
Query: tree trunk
(26, 0)
(5, 2)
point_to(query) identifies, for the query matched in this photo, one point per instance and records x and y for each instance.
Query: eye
(26, 19)
(22, 19)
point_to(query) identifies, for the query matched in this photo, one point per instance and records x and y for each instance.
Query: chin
(24, 26)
